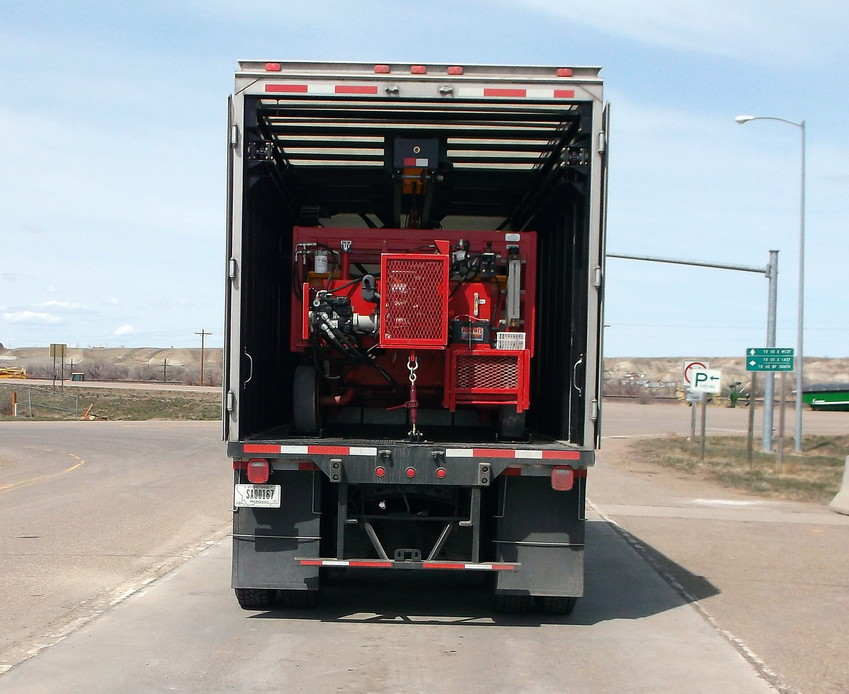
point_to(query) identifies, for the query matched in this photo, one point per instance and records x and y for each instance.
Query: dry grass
(108, 403)
(813, 476)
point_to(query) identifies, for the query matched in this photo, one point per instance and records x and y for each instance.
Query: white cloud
(113, 301)
(31, 318)
(61, 305)
(124, 330)
(747, 31)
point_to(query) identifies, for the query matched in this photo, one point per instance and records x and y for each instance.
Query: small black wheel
(254, 598)
(511, 604)
(555, 604)
(511, 424)
(299, 599)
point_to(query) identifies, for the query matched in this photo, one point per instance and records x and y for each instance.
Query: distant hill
(148, 363)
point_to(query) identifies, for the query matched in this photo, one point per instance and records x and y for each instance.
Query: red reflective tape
(492, 91)
(564, 93)
(328, 450)
(355, 89)
(561, 455)
(290, 88)
(310, 562)
(494, 453)
(261, 448)
(371, 564)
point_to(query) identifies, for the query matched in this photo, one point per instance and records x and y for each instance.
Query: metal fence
(38, 402)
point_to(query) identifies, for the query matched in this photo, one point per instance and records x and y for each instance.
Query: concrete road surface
(186, 633)
(94, 514)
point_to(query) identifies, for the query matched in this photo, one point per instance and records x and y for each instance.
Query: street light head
(744, 119)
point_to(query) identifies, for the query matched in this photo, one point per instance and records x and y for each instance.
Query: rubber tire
(552, 604)
(511, 424)
(305, 400)
(299, 599)
(255, 598)
(511, 604)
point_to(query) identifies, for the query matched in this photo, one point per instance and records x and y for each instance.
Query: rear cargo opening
(344, 163)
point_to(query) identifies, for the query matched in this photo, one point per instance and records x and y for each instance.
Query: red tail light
(258, 471)
(562, 478)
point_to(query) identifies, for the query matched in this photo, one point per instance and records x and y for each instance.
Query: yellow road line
(44, 478)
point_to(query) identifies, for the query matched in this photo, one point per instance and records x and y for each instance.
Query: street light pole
(800, 316)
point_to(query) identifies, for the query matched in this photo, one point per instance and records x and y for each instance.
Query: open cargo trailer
(414, 312)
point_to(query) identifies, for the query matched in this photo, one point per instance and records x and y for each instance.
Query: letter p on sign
(707, 381)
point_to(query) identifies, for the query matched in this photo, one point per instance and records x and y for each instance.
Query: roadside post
(57, 350)
(750, 434)
(706, 381)
(694, 398)
(768, 359)
(689, 368)
(779, 463)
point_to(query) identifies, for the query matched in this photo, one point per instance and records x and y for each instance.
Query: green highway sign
(770, 359)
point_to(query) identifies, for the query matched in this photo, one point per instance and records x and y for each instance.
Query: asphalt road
(90, 510)
(114, 571)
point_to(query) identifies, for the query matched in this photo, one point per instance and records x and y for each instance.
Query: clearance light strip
(324, 89)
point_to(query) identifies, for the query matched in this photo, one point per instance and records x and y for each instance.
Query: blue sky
(112, 171)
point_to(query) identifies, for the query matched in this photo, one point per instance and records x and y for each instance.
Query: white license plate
(257, 495)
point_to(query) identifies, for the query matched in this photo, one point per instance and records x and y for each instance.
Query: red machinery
(419, 319)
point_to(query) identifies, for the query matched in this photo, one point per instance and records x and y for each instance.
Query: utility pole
(203, 335)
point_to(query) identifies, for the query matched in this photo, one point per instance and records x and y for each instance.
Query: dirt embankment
(149, 363)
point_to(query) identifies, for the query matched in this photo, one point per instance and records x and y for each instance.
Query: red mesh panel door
(488, 372)
(487, 377)
(414, 301)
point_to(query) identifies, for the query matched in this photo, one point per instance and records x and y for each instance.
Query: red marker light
(381, 69)
(411, 472)
(441, 472)
(418, 69)
(564, 72)
(380, 471)
(273, 67)
(562, 478)
(455, 70)
(258, 471)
